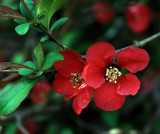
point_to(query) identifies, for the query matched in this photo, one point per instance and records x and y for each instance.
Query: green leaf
(50, 59)
(7, 12)
(58, 23)
(30, 6)
(12, 98)
(48, 8)
(22, 29)
(39, 74)
(20, 21)
(43, 39)
(24, 71)
(38, 52)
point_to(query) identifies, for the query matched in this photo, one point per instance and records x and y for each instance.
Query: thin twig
(145, 41)
(31, 112)
(9, 71)
(52, 38)
(20, 125)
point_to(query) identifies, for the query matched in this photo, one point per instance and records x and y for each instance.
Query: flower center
(112, 74)
(77, 80)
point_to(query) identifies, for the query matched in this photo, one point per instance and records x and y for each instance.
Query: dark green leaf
(24, 71)
(12, 98)
(48, 8)
(58, 23)
(7, 12)
(22, 29)
(38, 52)
(30, 6)
(50, 59)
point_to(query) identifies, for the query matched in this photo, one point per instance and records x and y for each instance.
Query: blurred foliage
(140, 113)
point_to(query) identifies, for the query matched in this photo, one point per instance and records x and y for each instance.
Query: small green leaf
(38, 52)
(24, 71)
(58, 23)
(43, 39)
(48, 8)
(22, 29)
(40, 20)
(30, 6)
(39, 74)
(50, 59)
(12, 98)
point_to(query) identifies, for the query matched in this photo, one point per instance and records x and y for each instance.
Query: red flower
(102, 12)
(40, 91)
(103, 72)
(69, 82)
(30, 126)
(138, 17)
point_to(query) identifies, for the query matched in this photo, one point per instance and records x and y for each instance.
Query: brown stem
(9, 71)
(145, 41)
(52, 38)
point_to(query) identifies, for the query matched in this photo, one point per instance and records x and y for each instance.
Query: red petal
(85, 97)
(107, 98)
(101, 51)
(72, 63)
(70, 96)
(62, 85)
(138, 18)
(103, 12)
(76, 107)
(93, 74)
(132, 58)
(128, 84)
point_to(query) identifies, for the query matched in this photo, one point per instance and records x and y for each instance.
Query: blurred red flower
(102, 12)
(30, 126)
(68, 80)
(40, 91)
(103, 72)
(138, 17)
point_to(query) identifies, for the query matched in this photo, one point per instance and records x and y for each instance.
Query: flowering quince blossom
(40, 91)
(102, 12)
(68, 80)
(103, 72)
(138, 17)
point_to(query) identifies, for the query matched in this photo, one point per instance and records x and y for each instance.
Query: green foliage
(38, 52)
(110, 118)
(11, 98)
(22, 29)
(48, 8)
(50, 59)
(30, 6)
(44, 38)
(18, 58)
(24, 71)
(58, 23)
(11, 129)
(39, 74)
(67, 131)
